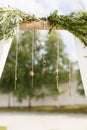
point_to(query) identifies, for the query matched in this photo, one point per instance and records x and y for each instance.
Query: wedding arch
(76, 23)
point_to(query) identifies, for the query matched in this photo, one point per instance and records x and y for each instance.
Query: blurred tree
(43, 84)
(51, 49)
(24, 83)
(80, 88)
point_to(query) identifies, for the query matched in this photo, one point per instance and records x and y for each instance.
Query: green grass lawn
(62, 109)
(2, 128)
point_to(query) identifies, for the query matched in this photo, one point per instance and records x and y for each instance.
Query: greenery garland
(10, 19)
(75, 23)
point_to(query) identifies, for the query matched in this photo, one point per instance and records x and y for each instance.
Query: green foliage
(75, 23)
(10, 19)
(44, 85)
(24, 83)
(2, 128)
(51, 50)
(51, 55)
(63, 109)
(80, 88)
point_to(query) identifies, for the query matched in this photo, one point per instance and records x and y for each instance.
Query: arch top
(75, 23)
(37, 25)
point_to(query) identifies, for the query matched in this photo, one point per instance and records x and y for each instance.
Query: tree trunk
(58, 101)
(29, 103)
(9, 100)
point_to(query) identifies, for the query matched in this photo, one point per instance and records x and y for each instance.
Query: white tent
(82, 60)
(4, 49)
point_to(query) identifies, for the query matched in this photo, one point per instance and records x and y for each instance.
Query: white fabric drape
(4, 49)
(82, 60)
(81, 57)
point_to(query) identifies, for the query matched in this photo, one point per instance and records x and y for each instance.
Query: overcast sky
(43, 8)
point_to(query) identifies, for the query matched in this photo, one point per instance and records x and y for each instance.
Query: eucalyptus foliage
(10, 19)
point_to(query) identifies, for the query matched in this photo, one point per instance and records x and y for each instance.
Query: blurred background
(46, 58)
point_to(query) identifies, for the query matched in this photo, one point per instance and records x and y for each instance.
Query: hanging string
(16, 61)
(32, 69)
(70, 77)
(44, 64)
(69, 68)
(57, 74)
(32, 58)
(43, 55)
